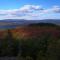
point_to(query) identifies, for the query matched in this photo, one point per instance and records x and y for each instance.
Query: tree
(9, 46)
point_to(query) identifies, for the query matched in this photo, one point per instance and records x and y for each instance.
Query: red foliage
(36, 31)
(26, 32)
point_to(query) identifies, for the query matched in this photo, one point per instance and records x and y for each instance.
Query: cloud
(28, 12)
(56, 9)
(30, 7)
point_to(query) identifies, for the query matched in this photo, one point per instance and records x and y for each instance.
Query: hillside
(33, 30)
(32, 42)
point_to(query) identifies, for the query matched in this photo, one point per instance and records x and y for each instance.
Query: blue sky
(29, 9)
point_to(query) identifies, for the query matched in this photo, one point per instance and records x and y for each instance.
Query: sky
(29, 9)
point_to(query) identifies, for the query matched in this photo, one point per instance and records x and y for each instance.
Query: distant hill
(13, 23)
(43, 24)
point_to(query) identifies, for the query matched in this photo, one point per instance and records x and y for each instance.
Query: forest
(43, 47)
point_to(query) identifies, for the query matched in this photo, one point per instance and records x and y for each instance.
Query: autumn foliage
(31, 43)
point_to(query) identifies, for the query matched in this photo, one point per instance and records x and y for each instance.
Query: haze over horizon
(29, 9)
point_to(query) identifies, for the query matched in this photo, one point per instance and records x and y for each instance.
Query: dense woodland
(44, 47)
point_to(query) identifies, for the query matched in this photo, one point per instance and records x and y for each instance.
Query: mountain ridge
(12, 23)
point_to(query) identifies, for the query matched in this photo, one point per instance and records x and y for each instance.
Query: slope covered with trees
(39, 43)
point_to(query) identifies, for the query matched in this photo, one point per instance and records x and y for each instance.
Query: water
(8, 26)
